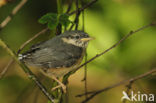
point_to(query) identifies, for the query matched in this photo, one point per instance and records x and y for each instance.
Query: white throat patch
(74, 42)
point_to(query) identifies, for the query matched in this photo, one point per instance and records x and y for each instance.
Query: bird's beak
(87, 39)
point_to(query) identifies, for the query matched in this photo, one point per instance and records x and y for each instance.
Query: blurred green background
(108, 21)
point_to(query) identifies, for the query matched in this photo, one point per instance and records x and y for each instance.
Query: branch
(77, 14)
(69, 6)
(27, 71)
(76, 21)
(86, 56)
(84, 7)
(59, 11)
(129, 87)
(116, 44)
(21, 47)
(85, 77)
(6, 68)
(94, 93)
(14, 11)
(31, 39)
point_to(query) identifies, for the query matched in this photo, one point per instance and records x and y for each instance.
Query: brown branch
(129, 87)
(86, 56)
(76, 21)
(5, 22)
(14, 11)
(83, 21)
(69, 6)
(132, 80)
(85, 78)
(78, 12)
(6, 68)
(116, 44)
(31, 39)
(21, 47)
(27, 71)
(84, 7)
(30, 74)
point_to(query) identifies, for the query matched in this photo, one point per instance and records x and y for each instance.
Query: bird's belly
(59, 72)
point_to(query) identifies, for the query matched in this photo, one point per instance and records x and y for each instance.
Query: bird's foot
(61, 85)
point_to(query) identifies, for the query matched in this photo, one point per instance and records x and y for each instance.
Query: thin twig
(6, 68)
(69, 6)
(84, 7)
(14, 11)
(134, 79)
(68, 10)
(83, 20)
(31, 39)
(85, 78)
(129, 86)
(77, 14)
(27, 71)
(86, 56)
(76, 21)
(78, 11)
(59, 11)
(116, 44)
(21, 47)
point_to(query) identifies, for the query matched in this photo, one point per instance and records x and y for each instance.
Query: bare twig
(21, 47)
(59, 11)
(68, 10)
(94, 93)
(85, 77)
(69, 6)
(83, 21)
(6, 68)
(14, 11)
(84, 7)
(85, 68)
(27, 71)
(77, 14)
(76, 21)
(78, 11)
(129, 86)
(31, 39)
(116, 44)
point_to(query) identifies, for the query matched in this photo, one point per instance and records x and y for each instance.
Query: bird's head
(77, 38)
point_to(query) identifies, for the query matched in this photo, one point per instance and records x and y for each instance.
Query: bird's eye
(77, 37)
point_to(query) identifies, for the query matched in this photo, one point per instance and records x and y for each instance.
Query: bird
(59, 55)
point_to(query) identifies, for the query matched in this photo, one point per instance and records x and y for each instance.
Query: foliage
(53, 19)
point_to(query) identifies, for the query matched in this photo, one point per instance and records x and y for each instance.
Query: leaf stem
(59, 7)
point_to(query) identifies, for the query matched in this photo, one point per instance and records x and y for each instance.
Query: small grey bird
(59, 55)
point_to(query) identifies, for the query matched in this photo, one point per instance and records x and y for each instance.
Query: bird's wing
(54, 57)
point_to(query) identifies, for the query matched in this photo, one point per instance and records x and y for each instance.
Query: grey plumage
(54, 53)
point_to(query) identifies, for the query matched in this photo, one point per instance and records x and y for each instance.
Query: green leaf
(64, 20)
(52, 24)
(53, 19)
(48, 18)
